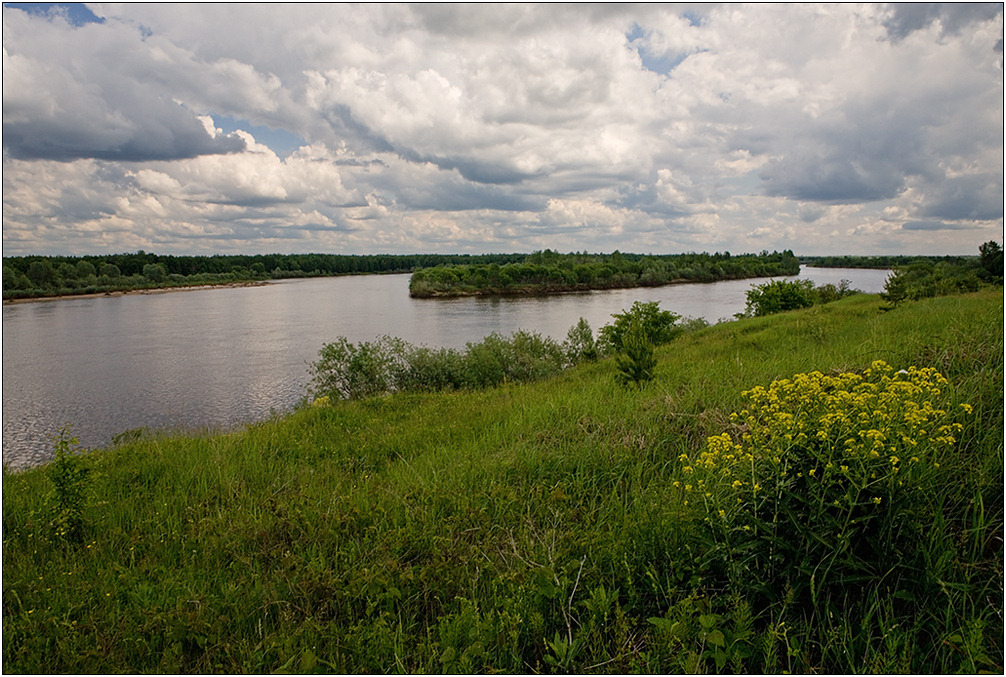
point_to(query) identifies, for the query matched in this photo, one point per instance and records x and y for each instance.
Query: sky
(451, 128)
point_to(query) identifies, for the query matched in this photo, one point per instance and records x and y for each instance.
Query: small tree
(580, 344)
(636, 363)
(895, 288)
(657, 326)
(85, 269)
(992, 261)
(68, 498)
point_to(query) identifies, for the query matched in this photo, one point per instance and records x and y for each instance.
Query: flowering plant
(824, 482)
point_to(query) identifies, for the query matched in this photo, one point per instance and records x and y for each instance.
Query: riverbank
(133, 292)
(544, 527)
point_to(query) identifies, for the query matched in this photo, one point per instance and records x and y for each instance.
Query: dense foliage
(550, 272)
(926, 279)
(346, 370)
(780, 295)
(656, 326)
(879, 261)
(548, 526)
(824, 484)
(36, 276)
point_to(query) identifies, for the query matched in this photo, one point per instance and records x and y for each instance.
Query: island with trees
(549, 272)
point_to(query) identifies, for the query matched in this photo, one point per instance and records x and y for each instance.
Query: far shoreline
(132, 292)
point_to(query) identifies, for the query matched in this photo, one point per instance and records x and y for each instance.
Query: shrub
(155, 272)
(351, 371)
(68, 499)
(657, 326)
(636, 363)
(580, 345)
(829, 486)
(826, 293)
(533, 356)
(485, 362)
(779, 295)
(431, 369)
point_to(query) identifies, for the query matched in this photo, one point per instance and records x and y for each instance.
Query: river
(226, 356)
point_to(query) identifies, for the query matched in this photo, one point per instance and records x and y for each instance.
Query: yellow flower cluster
(857, 436)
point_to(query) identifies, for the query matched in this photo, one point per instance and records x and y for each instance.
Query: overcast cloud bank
(231, 128)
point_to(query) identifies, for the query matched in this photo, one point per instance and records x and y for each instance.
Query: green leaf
(308, 661)
(661, 623)
(707, 621)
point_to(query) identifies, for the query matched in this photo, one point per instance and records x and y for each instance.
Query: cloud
(501, 127)
(978, 198)
(907, 18)
(106, 97)
(930, 225)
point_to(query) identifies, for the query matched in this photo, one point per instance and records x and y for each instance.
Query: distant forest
(40, 276)
(433, 274)
(549, 272)
(882, 262)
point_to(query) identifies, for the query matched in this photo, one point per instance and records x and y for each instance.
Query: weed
(67, 500)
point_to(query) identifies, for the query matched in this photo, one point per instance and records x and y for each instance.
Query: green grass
(520, 529)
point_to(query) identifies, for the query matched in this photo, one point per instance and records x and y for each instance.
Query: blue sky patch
(280, 141)
(661, 64)
(76, 13)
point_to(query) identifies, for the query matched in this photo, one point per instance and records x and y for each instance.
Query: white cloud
(504, 128)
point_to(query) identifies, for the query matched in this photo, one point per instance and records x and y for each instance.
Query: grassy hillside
(536, 527)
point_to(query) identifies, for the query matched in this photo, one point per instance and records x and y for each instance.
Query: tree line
(549, 272)
(38, 276)
(881, 261)
(922, 279)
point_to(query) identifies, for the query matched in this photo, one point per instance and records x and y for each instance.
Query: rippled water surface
(221, 357)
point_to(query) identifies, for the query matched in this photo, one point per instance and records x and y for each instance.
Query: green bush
(580, 345)
(348, 371)
(532, 357)
(155, 272)
(779, 295)
(432, 369)
(656, 326)
(68, 499)
(636, 363)
(351, 371)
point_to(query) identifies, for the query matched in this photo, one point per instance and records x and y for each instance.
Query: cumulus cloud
(820, 128)
(906, 18)
(87, 107)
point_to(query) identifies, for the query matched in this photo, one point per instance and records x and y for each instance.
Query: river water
(226, 356)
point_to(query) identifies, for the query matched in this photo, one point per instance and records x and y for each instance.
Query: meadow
(565, 525)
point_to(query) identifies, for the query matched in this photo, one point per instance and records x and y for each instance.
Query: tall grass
(529, 527)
